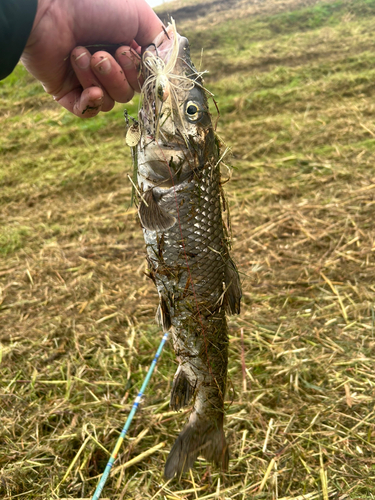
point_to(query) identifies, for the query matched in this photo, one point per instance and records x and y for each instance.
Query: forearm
(16, 21)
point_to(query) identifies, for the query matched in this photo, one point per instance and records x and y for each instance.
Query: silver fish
(180, 209)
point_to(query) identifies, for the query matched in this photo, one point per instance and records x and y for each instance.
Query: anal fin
(233, 292)
(153, 217)
(182, 390)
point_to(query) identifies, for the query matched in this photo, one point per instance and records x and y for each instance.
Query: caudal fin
(199, 437)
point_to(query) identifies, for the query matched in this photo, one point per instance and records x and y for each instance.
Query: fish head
(174, 117)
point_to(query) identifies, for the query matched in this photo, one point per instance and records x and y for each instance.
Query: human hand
(82, 83)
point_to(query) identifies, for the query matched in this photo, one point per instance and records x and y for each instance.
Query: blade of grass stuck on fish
(125, 429)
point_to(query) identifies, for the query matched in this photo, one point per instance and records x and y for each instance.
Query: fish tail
(199, 437)
(182, 390)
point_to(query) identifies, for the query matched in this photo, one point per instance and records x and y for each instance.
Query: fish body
(180, 211)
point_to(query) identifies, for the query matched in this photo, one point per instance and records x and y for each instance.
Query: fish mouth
(162, 48)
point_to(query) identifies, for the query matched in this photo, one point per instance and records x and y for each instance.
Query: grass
(294, 84)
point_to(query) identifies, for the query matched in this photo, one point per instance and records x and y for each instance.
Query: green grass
(242, 32)
(13, 238)
(295, 86)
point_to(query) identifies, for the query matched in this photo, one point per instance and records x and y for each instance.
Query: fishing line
(125, 429)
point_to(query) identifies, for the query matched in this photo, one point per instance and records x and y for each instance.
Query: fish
(180, 207)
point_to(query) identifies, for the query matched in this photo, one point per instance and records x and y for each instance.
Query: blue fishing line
(125, 429)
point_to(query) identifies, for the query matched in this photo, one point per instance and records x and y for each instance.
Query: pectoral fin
(152, 216)
(163, 317)
(233, 291)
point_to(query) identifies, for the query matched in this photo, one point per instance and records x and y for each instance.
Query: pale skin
(86, 84)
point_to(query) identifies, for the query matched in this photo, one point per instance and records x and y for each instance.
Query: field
(295, 85)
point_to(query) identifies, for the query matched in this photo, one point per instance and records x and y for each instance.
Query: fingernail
(103, 66)
(98, 101)
(83, 60)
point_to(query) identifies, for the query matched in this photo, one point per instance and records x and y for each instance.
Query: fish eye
(192, 110)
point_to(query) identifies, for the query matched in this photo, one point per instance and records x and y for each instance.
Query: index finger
(129, 60)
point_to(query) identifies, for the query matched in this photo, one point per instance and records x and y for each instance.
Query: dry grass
(77, 329)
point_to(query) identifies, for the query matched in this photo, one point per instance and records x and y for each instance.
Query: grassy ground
(296, 91)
